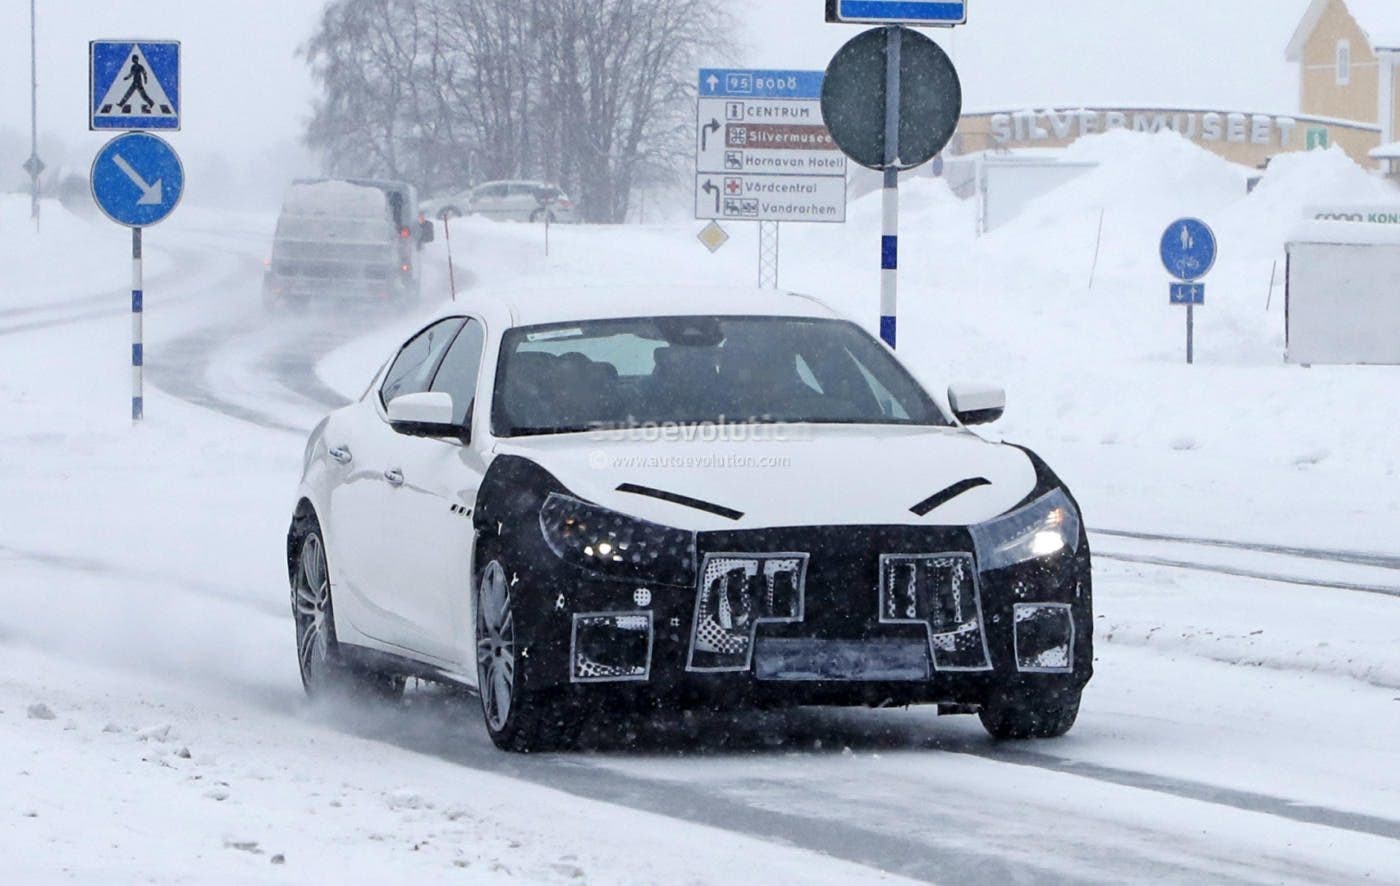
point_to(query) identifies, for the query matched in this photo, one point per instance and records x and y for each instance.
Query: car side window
(412, 370)
(460, 370)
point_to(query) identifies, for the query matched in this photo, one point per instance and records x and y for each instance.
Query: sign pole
(1188, 251)
(1190, 334)
(138, 358)
(768, 245)
(33, 118)
(451, 271)
(889, 241)
(137, 179)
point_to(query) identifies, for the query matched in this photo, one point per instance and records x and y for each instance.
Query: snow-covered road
(1238, 729)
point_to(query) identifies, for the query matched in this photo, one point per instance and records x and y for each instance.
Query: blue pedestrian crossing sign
(1188, 249)
(134, 84)
(137, 179)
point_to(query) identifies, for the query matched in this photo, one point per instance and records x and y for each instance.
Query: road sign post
(34, 166)
(138, 338)
(892, 100)
(889, 199)
(137, 180)
(1188, 251)
(763, 154)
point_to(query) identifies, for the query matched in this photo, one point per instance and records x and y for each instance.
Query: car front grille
(736, 593)
(939, 592)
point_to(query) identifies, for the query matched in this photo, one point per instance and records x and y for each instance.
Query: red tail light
(403, 232)
(565, 203)
(405, 268)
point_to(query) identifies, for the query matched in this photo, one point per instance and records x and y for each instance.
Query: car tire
(324, 671)
(540, 215)
(519, 717)
(1014, 716)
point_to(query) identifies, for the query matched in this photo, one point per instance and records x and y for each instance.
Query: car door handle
(341, 454)
(394, 476)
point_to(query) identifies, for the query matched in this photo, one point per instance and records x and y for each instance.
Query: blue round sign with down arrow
(137, 179)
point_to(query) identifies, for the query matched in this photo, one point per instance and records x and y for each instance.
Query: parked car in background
(342, 240)
(530, 201)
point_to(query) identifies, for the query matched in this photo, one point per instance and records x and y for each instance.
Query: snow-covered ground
(1239, 728)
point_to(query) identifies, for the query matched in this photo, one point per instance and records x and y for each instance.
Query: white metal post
(1190, 334)
(33, 116)
(889, 241)
(137, 310)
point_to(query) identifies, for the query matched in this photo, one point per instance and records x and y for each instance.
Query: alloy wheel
(495, 646)
(311, 598)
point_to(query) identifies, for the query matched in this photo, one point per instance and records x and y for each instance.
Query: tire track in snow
(181, 370)
(75, 310)
(1356, 558)
(1241, 572)
(97, 567)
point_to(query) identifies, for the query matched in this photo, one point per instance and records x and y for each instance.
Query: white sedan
(574, 504)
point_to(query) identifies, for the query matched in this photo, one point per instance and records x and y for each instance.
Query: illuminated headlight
(1042, 528)
(616, 545)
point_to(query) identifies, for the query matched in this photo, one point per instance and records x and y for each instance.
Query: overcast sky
(246, 95)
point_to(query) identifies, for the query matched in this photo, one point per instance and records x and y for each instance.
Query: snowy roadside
(115, 780)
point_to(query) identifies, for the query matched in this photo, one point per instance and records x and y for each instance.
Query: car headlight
(616, 545)
(1046, 526)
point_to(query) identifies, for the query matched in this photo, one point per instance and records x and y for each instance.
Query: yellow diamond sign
(713, 236)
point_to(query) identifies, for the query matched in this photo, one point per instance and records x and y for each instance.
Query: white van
(346, 240)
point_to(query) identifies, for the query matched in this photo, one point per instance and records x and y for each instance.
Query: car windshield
(566, 378)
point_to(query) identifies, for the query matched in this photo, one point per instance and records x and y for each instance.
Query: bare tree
(592, 94)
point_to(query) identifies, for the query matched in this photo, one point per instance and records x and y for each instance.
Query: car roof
(538, 307)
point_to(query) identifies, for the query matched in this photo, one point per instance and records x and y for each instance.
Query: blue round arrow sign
(1188, 249)
(137, 179)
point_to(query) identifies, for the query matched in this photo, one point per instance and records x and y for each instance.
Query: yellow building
(1348, 53)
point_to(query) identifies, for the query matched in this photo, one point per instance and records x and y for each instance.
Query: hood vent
(939, 499)
(686, 501)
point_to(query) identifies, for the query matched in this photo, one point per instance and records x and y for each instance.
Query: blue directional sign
(134, 84)
(1188, 293)
(1188, 249)
(925, 13)
(137, 179)
(746, 83)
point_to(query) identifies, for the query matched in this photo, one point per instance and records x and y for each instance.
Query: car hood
(787, 475)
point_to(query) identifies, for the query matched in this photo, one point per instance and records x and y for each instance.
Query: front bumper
(825, 615)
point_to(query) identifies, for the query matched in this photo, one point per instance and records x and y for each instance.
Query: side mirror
(426, 414)
(976, 404)
(426, 234)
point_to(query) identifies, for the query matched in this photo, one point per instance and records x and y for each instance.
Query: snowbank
(68, 256)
